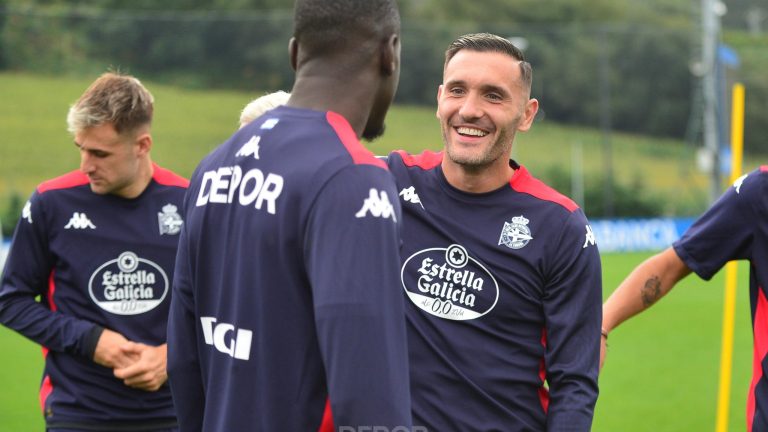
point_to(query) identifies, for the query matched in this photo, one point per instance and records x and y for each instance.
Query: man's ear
(389, 55)
(439, 93)
(531, 108)
(293, 53)
(144, 144)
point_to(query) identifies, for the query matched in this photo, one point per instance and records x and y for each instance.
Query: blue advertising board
(638, 235)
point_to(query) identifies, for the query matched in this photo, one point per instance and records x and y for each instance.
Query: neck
(319, 90)
(478, 179)
(143, 177)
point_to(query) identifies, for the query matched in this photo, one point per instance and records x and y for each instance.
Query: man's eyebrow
(496, 89)
(455, 83)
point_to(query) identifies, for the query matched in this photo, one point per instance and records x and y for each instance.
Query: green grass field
(661, 373)
(35, 145)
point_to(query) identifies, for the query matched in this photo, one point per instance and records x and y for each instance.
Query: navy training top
(96, 261)
(287, 314)
(735, 228)
(503, 292)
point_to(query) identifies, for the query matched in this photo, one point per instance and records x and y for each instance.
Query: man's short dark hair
(486, 42)
(326, 27)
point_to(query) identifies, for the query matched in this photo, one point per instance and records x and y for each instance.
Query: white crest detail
(516, 235)
(26, 213)
(250, 148)
(739, 181)
(79, 221)
(410, 195)
(590, 237)
(378, 204)
(169, 220)
(270, 123)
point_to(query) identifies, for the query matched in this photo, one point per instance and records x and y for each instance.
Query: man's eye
(457, 91)
(494, 96)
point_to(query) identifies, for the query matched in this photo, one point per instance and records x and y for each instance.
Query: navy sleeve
(573, 313)
(725, 231)
(184, 372)
(27, 272)
(352, 248)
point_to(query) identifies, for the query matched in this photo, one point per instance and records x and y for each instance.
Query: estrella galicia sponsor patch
(448, 283)
(128, 285)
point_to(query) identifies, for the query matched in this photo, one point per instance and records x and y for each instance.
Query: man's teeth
(471, 132)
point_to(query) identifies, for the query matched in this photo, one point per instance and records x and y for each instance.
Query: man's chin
(371, 135)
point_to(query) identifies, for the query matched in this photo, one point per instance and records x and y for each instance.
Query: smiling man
(98, 246)
(501, 272)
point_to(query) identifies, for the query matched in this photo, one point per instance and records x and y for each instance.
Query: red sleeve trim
(524, 182)
(168, 178)
(764, 168)
(327, 424)
(75, 178)
(45, 390)
(359, 154)
(759, 353)
(426, 160)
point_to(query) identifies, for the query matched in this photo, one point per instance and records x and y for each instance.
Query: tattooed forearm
(651, 291)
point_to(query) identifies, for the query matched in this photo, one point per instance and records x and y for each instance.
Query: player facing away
(99, 246)
(286, 313)
(734, 228)
(501, 273)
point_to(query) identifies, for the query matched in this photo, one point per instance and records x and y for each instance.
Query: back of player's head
(331, 27)
(118, 99)
(259, 106)
(486, 42)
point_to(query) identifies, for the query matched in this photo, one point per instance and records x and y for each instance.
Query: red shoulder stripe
(168, 178)
(764, 168)
(524, 182)
(426, 160)
(359, 154)
(75, 178)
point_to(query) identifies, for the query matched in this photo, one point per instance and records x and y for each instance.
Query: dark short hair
(486, 42)
(325, 27)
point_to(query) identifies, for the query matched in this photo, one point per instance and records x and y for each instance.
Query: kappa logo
(739, 181)
(26, 212)
(169, 220)
(516, 235)
(239, 347)
(378, 205)
(79, 221)
(250, 148)
(590, 237)
(410, 195)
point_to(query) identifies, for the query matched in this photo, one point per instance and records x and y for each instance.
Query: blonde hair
(118, 99)
(259, 106)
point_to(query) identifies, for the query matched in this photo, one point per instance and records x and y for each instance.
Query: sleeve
(725, 232)
(573, 314)
(352, 246)
(184, 372)
(27, 273)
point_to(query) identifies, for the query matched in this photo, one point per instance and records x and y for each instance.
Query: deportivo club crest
(169, 220)
(515, 235)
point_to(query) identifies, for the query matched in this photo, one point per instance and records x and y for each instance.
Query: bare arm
(649, 282)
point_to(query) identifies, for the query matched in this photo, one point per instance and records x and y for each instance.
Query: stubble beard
(491, 154)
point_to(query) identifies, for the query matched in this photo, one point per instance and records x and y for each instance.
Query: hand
(108, 352)
(603, 350)
(148, 372)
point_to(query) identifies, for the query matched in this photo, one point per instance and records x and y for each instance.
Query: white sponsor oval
(448, 283)
(128, 285)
